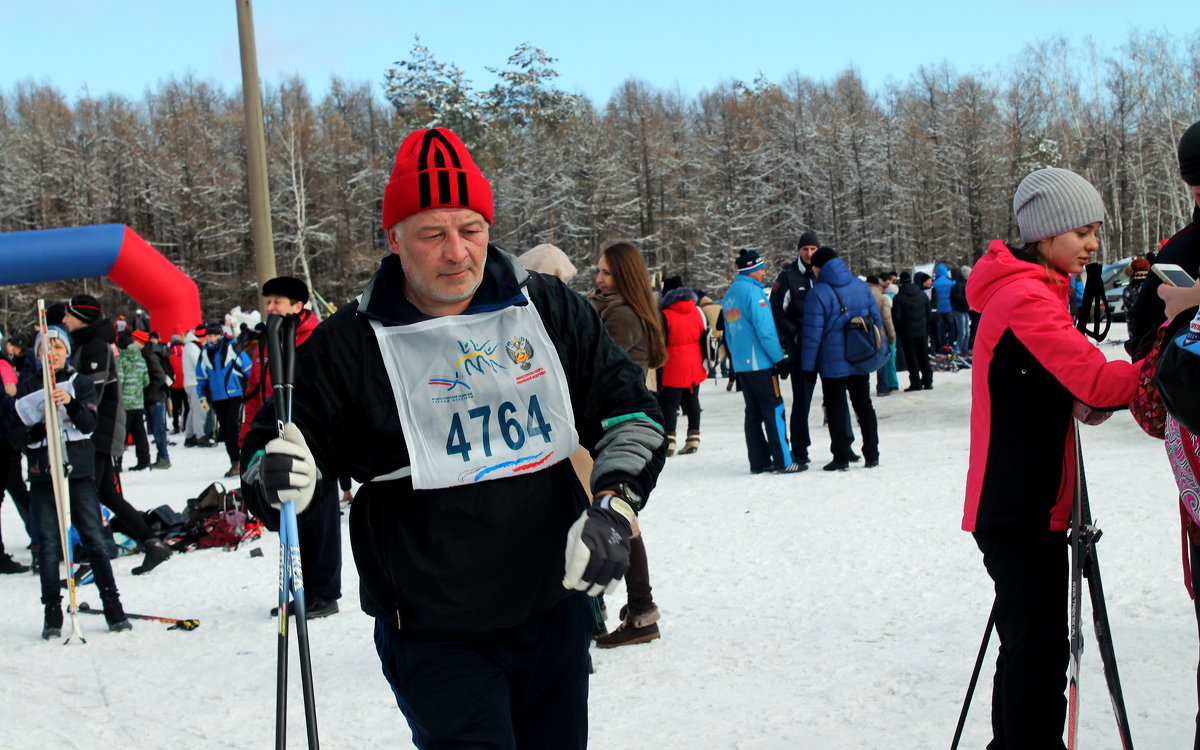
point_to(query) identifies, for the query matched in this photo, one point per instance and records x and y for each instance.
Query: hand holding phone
(1172, 274)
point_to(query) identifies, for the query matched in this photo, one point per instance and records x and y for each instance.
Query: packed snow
(819, 610)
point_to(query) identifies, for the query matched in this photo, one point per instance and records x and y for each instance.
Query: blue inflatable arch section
(113, 250)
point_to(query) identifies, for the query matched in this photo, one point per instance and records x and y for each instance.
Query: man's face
(11, 350)
(760, 275)
(277, 304)
(72, 323)
(442, 252)
(806, 254)
(1195, 192)
(212, 338)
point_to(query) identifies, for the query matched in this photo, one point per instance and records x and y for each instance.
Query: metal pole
(256, 149)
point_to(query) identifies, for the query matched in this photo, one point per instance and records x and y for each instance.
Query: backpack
(865, 347)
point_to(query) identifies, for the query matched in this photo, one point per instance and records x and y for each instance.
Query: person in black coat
(92, 339)
(910, 315)
(1183, 249)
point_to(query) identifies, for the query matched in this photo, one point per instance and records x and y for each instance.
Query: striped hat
(1051, 201)
(85, 307)
(748, 261)
(433, 169)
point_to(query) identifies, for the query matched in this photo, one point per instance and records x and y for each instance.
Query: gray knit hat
(1051, 201)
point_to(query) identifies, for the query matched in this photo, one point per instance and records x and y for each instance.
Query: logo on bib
(478, 359)
(520, 351)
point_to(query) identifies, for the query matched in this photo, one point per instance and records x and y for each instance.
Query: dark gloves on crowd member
(598, 547)
(286, 470)
(782, 370)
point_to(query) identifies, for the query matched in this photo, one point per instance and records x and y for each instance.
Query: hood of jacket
(678, 294)
(940, 271)
(1001, 266)
(835, 273)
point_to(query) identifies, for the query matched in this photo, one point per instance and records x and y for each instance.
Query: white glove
(203, 404)
(288, 470)
(597, 553)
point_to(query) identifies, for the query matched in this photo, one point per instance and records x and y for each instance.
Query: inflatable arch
(113, 250)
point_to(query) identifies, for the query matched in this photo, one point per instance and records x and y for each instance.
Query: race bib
(480, 397)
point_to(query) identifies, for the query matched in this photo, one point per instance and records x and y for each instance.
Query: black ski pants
(12, 482)
(321, 548)
(916, 356)
(130, 521)
(135, 422)
(524, 687)
(764, 413)
(1030, 569)
(229, 412)
(840, 437)
(670, 399)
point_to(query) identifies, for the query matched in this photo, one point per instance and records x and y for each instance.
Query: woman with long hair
(1034, 379)
(626, 306)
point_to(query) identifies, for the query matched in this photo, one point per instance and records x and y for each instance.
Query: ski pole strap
(1093, 306)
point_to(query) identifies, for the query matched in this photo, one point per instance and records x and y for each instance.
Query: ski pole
(274, 355)
(175, 622)
(962, 716)
(1091, 571)
(56, 457)
(1076, 625)
(281, 343)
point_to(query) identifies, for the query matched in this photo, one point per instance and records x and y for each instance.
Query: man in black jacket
(911, 315)
(1183, 249)
(787, 304)
(92, 338)
(469, 506)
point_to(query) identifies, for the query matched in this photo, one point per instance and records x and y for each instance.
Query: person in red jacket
(686, 331)
(320, 532)
(1034, 378)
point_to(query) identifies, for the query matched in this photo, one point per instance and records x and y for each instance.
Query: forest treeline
(911, 172)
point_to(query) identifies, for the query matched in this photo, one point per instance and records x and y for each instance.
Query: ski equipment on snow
(175, 622)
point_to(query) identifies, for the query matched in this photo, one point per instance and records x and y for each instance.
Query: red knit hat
(433, 169)
(140, 335)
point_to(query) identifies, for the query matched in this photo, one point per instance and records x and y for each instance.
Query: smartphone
(1172, 274)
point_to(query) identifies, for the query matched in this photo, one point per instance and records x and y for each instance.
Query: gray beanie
(1051, 201)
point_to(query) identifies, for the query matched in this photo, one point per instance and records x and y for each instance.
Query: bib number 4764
(483, 423)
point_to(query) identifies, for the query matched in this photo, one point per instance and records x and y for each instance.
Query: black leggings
(669, 400)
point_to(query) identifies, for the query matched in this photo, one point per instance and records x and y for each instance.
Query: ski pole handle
(275, 362)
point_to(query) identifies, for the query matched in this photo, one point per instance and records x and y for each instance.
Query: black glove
(782, 369)
(597, 554)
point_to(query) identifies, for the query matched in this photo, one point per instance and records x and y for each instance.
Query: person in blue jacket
(221, 374)
(824, 353)
(947, 332)
(758, 360)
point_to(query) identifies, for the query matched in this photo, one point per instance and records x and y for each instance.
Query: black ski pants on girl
(1031, 573)
(523, 688)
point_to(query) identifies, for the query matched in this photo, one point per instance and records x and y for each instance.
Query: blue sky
(110, 46)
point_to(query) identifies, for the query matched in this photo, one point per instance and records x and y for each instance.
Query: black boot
(156, 554)
(114, 613)
(52, 624)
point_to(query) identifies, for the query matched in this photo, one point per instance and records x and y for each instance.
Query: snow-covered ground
(816, 610)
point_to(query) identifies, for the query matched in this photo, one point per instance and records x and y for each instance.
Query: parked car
(1115, 281)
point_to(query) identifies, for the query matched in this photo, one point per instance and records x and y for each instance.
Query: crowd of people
(480, 547)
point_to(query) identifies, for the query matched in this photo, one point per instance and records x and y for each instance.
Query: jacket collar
(503, 281)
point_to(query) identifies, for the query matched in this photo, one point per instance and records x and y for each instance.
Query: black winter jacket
(91, 354)
(787, 304)
(479, 557)
(83, 413)
(910, 312)
(1149, 312)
